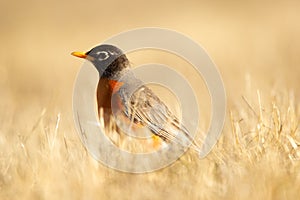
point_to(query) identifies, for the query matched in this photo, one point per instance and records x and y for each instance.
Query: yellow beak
(79, 54)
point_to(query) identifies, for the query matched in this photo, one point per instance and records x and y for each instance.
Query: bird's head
(108, 59)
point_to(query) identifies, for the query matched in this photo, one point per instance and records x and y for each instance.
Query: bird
(136, 104)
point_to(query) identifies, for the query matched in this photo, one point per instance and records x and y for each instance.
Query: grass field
(256, 47)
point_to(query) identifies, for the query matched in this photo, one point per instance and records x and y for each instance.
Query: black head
(108, 59)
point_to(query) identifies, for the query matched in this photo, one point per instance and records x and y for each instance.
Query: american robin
(136, 103)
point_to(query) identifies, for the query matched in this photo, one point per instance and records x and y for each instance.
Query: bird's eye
(102, 55)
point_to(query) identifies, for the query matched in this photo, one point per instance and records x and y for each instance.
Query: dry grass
(257, 157)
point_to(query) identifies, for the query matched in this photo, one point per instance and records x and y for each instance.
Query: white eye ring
(113, 53)
(104, 52)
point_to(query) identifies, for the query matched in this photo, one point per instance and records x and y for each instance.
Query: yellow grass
(257, 157)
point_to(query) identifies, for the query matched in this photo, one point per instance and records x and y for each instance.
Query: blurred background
(254, 44)
(259, 38)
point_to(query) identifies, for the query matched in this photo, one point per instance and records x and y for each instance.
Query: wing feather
(145, 107)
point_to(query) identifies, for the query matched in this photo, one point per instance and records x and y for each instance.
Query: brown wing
(146, 108)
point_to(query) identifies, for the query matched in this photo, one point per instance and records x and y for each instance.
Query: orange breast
(106, 88)
(104, 94)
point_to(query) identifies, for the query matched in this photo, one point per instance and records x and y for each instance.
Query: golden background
(254, 44)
